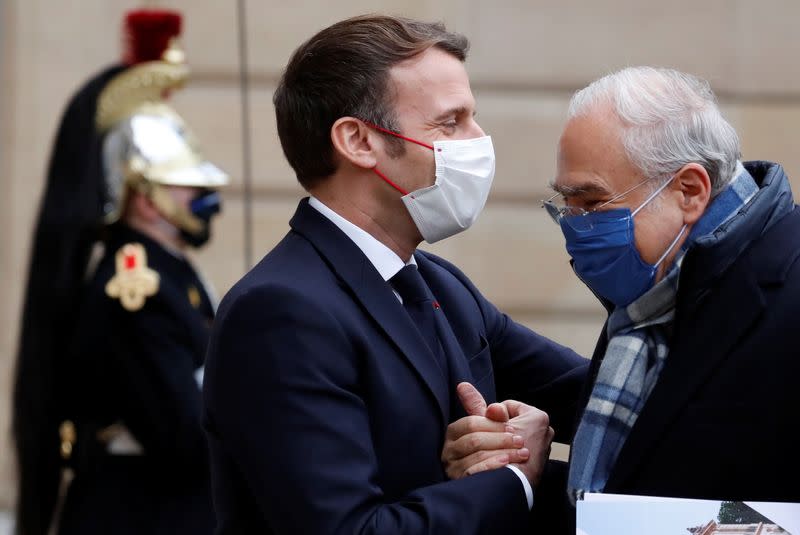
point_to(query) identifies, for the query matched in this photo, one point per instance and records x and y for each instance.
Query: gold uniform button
(194, 296)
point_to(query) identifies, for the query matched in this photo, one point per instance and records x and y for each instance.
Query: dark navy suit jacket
(326, 411)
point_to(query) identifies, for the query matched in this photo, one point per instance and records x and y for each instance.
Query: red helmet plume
(147, 33)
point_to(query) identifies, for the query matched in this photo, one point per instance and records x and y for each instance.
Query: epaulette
(134, 281)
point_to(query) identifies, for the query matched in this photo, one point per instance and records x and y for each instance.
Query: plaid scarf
(638, 346)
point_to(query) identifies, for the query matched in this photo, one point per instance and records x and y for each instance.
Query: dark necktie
(422, 307)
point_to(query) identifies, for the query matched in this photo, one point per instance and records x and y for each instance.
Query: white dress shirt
(384, 259)
(388, 264)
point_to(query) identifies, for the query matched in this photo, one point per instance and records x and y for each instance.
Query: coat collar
(361, 278)
(698, 350)
(716, 252)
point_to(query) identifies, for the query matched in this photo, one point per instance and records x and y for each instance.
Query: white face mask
(464, 173)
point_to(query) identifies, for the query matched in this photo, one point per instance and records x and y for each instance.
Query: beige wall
(8, 255)
(527, 58)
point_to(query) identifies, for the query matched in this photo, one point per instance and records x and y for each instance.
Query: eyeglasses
(575, 216)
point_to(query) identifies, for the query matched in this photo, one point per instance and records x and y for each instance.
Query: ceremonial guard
(116, 318)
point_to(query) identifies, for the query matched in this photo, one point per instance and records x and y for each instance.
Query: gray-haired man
(694, 254)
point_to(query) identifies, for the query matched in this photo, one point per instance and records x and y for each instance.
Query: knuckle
(508, 441)
(475, 442)
(483, 456)
(544, 418)
(473, 424)
(474, 469)
(452, 472)
(459, 427)
(475, 403)
(455, 452)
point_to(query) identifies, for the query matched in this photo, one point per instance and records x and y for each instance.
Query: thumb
(471, 399)
(497, 412)
(516, 408)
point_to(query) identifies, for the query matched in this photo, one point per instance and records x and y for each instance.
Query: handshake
(507, 433)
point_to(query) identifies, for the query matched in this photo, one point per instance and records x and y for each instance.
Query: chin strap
(166, 205)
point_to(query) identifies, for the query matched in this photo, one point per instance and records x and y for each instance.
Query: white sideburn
(464, 173)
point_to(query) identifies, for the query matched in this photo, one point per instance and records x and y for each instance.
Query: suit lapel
(365, 283)
(697, 351)
(459, 370)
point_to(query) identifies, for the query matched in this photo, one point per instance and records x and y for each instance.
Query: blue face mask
(204, 206)
(604, 253)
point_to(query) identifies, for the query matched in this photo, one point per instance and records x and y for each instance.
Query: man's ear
(353, 141)
(694, 186)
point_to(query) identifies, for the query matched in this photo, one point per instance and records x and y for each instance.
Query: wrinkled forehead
(591, 156)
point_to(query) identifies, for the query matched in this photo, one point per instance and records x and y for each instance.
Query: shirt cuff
(526, 485)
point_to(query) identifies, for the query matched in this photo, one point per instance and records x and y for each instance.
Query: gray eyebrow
(560, 189)
(571, 191)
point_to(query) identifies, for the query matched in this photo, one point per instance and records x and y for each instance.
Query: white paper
(619, 514)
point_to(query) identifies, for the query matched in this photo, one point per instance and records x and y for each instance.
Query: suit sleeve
(536, 370)
(529, 367)
(162, 404)
(283, 399)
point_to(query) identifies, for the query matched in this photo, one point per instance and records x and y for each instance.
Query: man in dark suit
(694, 253)
(332, 368)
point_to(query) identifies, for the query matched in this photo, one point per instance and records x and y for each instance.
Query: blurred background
(527, 58)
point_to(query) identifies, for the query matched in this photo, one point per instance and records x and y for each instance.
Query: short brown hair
(343, 71)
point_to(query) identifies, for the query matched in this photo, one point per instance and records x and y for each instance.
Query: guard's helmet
(146, 144)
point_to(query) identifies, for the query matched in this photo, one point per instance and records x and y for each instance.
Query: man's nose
(475, 129)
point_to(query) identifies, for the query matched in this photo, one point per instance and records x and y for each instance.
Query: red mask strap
(386, 179)
(395, 134)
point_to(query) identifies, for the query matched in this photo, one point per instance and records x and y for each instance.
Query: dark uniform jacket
(138, 369)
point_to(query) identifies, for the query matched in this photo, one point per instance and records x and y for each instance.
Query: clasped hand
(500, 434)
